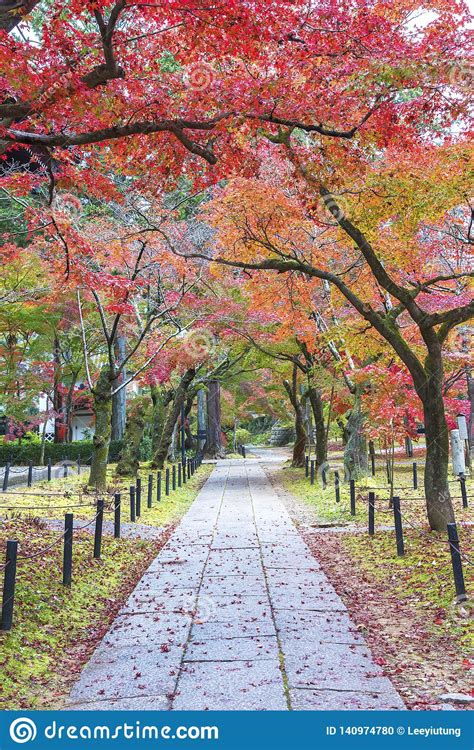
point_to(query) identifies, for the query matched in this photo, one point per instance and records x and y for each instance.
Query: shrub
(242, 436)
(80, 450)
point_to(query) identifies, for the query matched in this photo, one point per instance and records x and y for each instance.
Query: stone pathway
(234, 613)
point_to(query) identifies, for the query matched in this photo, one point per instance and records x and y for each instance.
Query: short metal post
(244, 452)
(6, 476)
(397, 516)
(149, 499)
(462, 482)
(138, 498)
(132, 504)
(30, 473)
(173, 477)
(78, 467)
(179, 475)
(306, 466)
(456, 562)
(158, 486)
(352, 490)
(9, 585)
(49, 469)
(65, 470)
(188, 466)
(184, 474)
(372, 456)
(117, 504)
(337, 487)
(371, 513)
(99, 522)
(415, 475)
(67, 551)
(313, 466)
(167, 481)
(323, 477)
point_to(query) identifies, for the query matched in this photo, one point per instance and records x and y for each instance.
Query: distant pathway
(234, 613)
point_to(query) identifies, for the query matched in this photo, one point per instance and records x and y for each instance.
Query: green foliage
(31, 451)
(242, 436)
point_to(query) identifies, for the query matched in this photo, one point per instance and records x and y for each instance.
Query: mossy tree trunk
(161, 399)
(315, 399)
(355, 450)
(102, 405)
(214, 447)
(129, 461)
(301, 438)
(161, 453)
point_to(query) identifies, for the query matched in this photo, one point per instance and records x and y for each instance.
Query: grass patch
(55, 627)
(72, 495)
(328, 511)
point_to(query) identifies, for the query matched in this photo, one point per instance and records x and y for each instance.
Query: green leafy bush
(81, 450)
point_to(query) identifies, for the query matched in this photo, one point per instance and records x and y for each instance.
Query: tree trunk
(119, 399)
(316, 402)
(301, 438)
(161, 453)
(189, 440)
(129, 461)
(438, 500)
(214, 448)
(59, 427)
(160, 399)
(355, 451)
(102, 405)
(470, 394)
(201, 419)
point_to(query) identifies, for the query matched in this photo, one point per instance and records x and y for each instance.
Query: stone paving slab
(234, 613)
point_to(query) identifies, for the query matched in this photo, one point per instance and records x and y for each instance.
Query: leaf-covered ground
(72, 495)
(56, 627)
(405, 607)
(327, 511)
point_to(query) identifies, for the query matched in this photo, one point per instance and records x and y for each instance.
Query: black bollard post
(150, 491)
(158, 486)
(313, 466)
(167, 482)
(78, 467)
(184, 474)
(323, 477)
(179, 474)
(132, 504)
(9, 585)
(306, 466)
(244, 452)
(462, 482)
(372, 456)
(99, 522)
(49, 469)
(371, 513)
(415, 475)
(30, 473)
(337, 487)
(65, 470)
(353, 496)
(6, 476)
(67, 551)
(456, 562)
(173, 477)
(397, 516)
(117, 503)
(138, 498)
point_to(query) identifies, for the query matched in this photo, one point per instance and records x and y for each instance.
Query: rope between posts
(436, 541)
